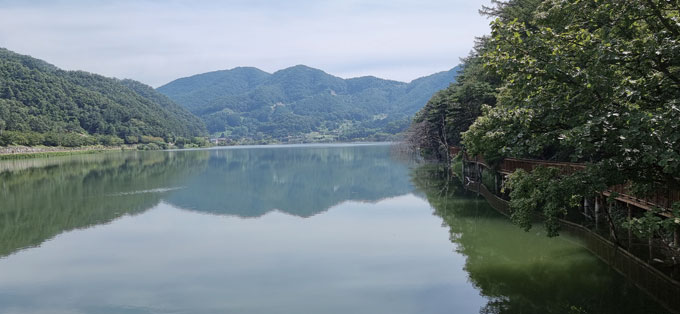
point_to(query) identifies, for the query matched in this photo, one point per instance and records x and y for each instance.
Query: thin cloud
(158, 41)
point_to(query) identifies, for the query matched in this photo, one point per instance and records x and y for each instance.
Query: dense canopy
(39, 100)
(596, 82)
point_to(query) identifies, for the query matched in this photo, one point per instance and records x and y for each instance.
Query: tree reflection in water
(45, 199)
(525, 272)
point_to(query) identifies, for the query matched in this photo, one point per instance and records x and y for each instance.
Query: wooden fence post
(630, 230)
(597, 212)
(496, 189)
(649, 243)
(612, 228)
(479, 178)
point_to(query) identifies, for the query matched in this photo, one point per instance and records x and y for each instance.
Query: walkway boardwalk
(663, 199)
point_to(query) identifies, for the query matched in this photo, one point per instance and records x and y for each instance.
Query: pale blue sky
(157, 41)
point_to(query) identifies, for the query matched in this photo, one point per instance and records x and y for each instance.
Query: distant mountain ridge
(38, 97)
(303, 103)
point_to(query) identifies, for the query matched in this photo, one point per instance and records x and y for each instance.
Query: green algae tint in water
(302, 229)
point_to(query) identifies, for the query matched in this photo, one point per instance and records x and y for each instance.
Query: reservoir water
(278, 229)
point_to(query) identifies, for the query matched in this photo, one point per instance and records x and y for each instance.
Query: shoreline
(26, 152)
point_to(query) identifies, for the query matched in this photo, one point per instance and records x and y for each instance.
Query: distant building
(219, 141)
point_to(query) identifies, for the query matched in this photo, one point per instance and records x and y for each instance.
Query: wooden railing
(664, 198)
(454, 150)
(509, 165)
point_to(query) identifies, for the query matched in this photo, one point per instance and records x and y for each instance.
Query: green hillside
(39, 102)
(302, 103)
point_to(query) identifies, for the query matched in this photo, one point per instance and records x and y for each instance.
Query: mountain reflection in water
(44, 197)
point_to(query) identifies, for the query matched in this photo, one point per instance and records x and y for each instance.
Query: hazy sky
(156, 41)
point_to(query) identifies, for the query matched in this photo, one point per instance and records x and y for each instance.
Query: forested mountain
(38, 98)
(303, 103)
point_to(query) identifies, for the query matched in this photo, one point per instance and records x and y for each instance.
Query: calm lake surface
(292, 229)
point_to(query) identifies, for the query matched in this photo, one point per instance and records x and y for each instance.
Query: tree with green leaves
(585, 81)
(451, 111)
